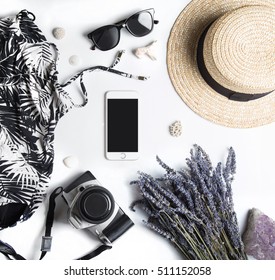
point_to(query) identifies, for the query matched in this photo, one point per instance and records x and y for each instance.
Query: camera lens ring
(96, 204)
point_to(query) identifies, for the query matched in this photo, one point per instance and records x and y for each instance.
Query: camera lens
(96, 204)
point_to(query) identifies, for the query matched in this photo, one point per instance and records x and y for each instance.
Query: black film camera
(93, 207)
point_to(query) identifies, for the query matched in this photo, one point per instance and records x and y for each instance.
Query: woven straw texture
(239, 53)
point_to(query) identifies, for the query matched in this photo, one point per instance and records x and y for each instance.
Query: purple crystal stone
(259, 236)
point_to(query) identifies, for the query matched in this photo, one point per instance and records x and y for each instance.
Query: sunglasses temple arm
(123, 21)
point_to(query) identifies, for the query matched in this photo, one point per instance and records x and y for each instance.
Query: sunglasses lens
(140, 24)
(105, 38)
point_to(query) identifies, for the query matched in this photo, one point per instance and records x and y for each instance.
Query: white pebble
(71, 161)
(59, 33)
(74, 60)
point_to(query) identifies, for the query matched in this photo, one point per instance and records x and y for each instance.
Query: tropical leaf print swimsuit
(31, 103)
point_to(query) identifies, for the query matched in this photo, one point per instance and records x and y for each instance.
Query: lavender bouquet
(193, 208)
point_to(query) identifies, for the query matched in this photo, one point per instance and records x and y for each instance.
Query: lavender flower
(193, 208)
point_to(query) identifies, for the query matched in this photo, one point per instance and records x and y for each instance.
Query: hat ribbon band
(230, 94)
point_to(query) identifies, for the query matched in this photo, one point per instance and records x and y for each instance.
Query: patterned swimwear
(31, 103)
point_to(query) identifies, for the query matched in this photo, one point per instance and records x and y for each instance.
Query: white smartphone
(122, 125)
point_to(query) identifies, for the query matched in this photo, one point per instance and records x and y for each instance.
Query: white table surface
(81, 132)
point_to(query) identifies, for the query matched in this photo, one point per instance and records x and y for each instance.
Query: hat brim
(185, 75)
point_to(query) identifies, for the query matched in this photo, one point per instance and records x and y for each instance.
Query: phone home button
(122, 155)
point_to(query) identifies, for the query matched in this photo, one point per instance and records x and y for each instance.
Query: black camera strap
(47, 238)
(96, 252)
(120, 224)
(11, 254)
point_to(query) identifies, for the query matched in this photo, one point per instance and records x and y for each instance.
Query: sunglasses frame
(119, 25)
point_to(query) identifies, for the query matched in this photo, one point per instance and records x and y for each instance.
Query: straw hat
(221, 60)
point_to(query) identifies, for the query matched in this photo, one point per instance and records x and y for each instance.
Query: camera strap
(11, 254)
(47, 238)
(111, 233)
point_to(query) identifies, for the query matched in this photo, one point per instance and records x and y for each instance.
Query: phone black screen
(122, 118)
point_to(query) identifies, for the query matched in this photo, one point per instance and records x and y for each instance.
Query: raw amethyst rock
(259, 236)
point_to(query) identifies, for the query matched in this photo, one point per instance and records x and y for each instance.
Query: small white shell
(71, 161)
(74, 60)
(59, 33)
(149, 50)
(175, 129)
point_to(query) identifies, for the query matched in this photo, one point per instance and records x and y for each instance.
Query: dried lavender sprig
(204, 162)
(204, 189)
(180, 190)
(165, 166)
(232, 223)
(159, 230)
(228, 173)
(230, 166)
(219, 182)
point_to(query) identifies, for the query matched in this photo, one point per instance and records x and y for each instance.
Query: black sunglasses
(139, 24)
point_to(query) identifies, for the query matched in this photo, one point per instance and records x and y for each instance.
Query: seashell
(175, 129)
(71, 161)
(59, 33)
(149, 50)
(74, 60)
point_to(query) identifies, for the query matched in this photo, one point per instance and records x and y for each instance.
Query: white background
(81, 132)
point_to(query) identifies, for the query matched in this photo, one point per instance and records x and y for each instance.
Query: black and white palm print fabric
(30, 107)
(31, 104)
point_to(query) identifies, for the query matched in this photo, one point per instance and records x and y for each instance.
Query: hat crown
(239, 50)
